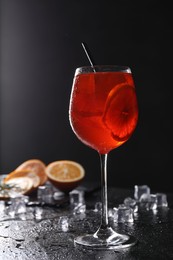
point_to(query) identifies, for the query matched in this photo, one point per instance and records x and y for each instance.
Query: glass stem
(104, 198)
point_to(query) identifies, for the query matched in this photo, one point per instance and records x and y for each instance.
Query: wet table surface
(25, 237)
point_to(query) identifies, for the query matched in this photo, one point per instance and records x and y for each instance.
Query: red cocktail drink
(104, 109)
(103, 114)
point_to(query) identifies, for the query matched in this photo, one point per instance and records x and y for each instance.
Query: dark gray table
(42, 239)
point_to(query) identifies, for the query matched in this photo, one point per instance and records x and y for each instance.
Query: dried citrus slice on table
(65, 175)
(35, 166)
(22, 185)
(24, 179)
(121, 112)
(22, 182)
(13, 176)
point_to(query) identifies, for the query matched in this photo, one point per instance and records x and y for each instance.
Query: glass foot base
(97, 241)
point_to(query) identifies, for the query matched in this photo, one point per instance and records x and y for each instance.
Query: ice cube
(76, 198)
(141, 192)
(38, 212)
(2, 206)
(58, 195)
(161, 200)
(40, 193)
(98, 207)
(63, 223)
(152, 202)
(79, 209)
(113, 213)
(124, 214)
(129, 202)
(45, 194)
(156, 200)
(17, 205)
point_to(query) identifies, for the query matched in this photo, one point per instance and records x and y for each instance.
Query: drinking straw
(88, 56)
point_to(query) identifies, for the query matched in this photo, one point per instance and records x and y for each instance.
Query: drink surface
(103, 109)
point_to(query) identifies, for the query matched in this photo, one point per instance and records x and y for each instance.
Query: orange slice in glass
(121, 112)
(65, 175)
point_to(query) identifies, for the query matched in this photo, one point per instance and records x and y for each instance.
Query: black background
(40, 49)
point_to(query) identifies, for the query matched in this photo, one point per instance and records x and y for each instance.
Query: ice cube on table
(58, 195)
(156, 200)
(77, 201)
(17, 205)
(63, 223)
(38, 212)
(125, 214)
(2, 206)
(98, 207)
(76, 198)
(113, 213)
(40, 193)
(45, 194)
(141, 192)
(130, 202)
(152, 202)
(79, 209)
(122, 214)
(161, 200)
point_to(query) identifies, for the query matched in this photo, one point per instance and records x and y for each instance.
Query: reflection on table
(46, 231)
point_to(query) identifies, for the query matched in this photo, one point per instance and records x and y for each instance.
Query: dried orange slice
(23, 185)
(22, 181)
(121, 112)
(35, 166)
(65, 175)
(22, 174)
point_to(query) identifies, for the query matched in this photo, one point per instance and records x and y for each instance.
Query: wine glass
(103, 114)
